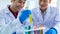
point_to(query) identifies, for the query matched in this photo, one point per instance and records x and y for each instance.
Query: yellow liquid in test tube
(30, 18)
(41, 29)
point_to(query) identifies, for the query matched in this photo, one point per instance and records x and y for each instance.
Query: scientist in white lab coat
(9, 14)
(46, 15)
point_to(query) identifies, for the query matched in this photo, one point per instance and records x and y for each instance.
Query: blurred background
(31, 3)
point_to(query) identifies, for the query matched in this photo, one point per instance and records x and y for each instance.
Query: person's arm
(12, 27)
(2, 22)
(9, 27)
(57, 21)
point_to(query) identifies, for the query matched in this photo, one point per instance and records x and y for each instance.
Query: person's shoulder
(54, 8)
(35, 8)
(2, 11)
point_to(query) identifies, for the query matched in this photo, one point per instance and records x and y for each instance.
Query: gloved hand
(51, 31)
(24, 15)
(14, 33)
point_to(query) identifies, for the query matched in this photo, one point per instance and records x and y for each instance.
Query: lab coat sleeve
(57, 21)
(2, 22)
(14, 26)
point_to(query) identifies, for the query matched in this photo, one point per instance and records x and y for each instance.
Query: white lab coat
(8, 23)
(51, 19)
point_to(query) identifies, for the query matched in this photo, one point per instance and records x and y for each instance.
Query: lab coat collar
(7, 11)
(38, 14)
(47, 15)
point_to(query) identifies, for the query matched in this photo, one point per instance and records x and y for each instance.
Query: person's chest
(49, 19)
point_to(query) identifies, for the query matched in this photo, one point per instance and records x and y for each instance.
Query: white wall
(54, 3)
(32, 3)
(58, 5)
(3, 3)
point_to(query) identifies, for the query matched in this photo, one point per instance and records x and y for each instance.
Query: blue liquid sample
(27, 28)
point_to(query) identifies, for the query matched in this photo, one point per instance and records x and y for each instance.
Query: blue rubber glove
(24, 15)
(51, 31)
(14, 33)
